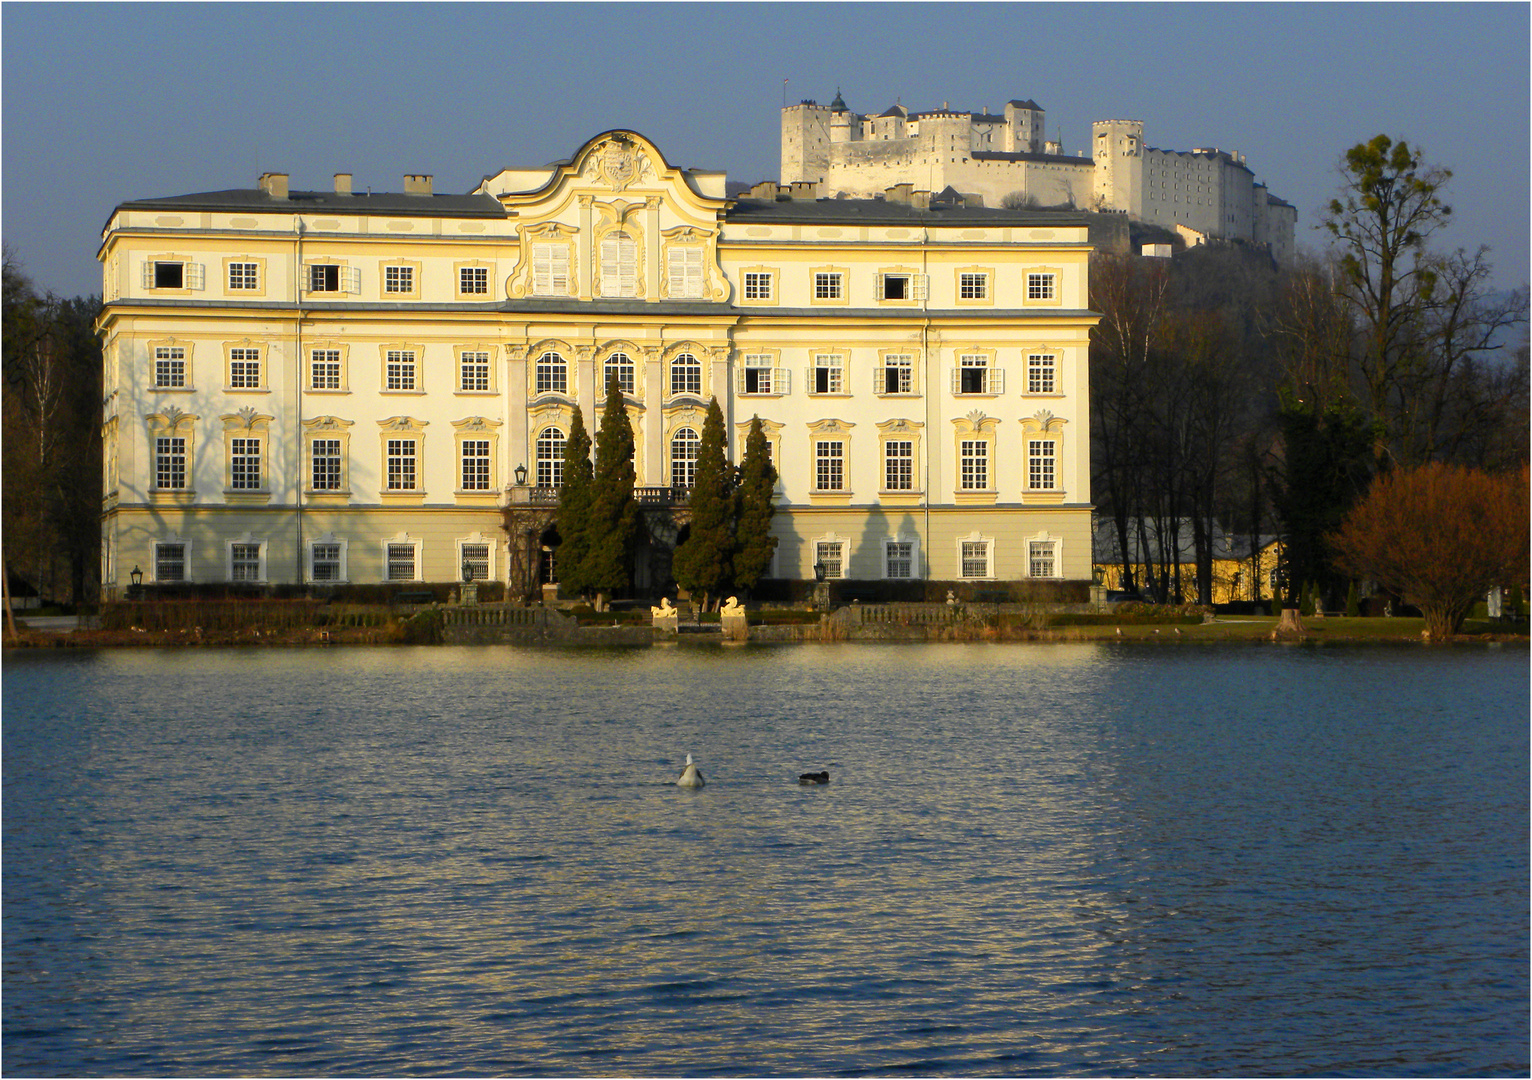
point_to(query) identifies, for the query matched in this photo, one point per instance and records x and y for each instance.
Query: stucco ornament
(619, 163)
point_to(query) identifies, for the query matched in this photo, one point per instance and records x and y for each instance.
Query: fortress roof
(1028, 104)
(1052, 159)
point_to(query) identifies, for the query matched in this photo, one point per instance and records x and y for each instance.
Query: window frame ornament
(823, 545)
(1055, 546)
(393, 434)
(687, 458)
(1038, 373)
(171, 539)
(240, 546)
(980, 289)
(171, 423)
(335, 352)
(548, 468)
(1044, 427)
(823, 462)
(328, 539)
(475, 430)
(901, 430)
(329, 429)
(397, 543)
(966, 557)
(240, 429)
(976, 427)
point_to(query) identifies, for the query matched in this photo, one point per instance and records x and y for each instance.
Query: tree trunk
(1290, 626)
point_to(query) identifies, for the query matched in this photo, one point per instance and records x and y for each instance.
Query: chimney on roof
(343, 183)
(417, 185)
(274, 184)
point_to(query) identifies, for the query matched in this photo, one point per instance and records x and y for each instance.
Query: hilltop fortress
(1201, 194)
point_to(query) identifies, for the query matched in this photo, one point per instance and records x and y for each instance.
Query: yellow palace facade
(322, 387)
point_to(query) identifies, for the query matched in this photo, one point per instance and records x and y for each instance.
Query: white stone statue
(664, 611)
(733, 607)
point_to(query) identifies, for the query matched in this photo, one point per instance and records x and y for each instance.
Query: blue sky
(104, 103)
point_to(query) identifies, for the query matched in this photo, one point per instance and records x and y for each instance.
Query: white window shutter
(352, 278)
(148, 273)
(781, 381)
(997, 381)
(609, 271)
(739, 380)
(880, 294)
(957, 380)
(196, 276)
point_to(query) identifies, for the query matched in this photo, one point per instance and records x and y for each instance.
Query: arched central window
(619, 265)
(550, 458)
(683, 458)
(620, 366)
(552, 374)
(685, 374)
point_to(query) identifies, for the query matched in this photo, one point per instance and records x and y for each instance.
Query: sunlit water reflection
(1068, 859)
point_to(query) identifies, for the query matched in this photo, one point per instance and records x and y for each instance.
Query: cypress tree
(753, 541)
(701, 564)
(613, 511)
(575, 509)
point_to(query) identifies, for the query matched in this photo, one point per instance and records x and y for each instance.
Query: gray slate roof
(882, 212)
(383, 202)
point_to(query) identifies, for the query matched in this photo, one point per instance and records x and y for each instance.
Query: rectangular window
(829, 465)
(686, 273)
(324, 369)
(973, 465)
(169, 562)
(244, 369)
(473, 280)
(398, 279)
(401, 562)
(973, 374)
(473, 372)
(757, 286)
(169, 275)
(401, 465)
(169, 367)
(475, 464)
(244, 275)
(401, 369)
(973, 286)
(757, 374)
(244, 562)
(828, 554)
(324, 457)
(900, 558)
(827, 374)
(324, 278)
(896, 287)
(1040, 464)
(550, 269)
(1040, 374)
(899, 465)
(975, 559)
(1039, 286)
(1040, 559)
(170, 463)
(476, 559)
(326, 562)
(827, 286)
(897, 376)
(245, 464)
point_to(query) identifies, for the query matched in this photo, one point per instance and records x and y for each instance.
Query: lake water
(1030, 860)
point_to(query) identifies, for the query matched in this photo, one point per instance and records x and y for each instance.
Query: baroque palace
(322, 387)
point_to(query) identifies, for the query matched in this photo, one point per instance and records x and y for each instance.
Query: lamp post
(470, 590)
(136, 576)
(821, 587)
(521, 475)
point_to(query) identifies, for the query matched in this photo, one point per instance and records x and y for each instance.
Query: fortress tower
(1117, 148)
(806, 140)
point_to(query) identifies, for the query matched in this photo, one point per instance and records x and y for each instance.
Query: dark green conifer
(574, 520)
(753, 542)
(702, 564)
(613, 511)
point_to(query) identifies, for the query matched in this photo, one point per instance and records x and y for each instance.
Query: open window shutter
(351, 279)
(781, 380)
(918, 286)
(957, 380)
(739, 380)
(149, 273)
(997, 380)
(196, 276)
